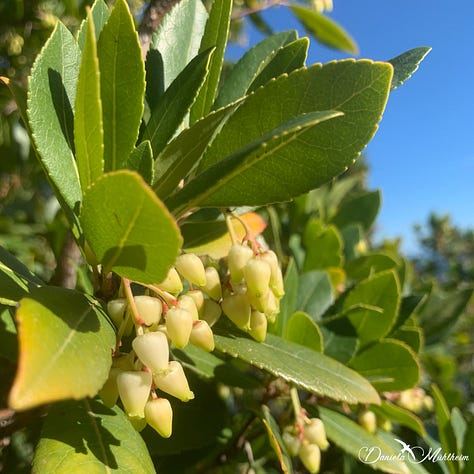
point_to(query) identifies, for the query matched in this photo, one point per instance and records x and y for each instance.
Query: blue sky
(422, 157)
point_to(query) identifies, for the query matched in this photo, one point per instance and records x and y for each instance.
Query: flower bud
(315, 433)
(211, 312)
(172, 283)
(258, 326)
(271, 307)
(202, 336)
(310, 456)
(190, 267)
(428, 403)
(174, 382)
(237, 258)
(134, 390)
(116, 310)
(237, 309)
(179, 324)
(153, 350)
(109, 391)
(149, 309)
(292, 443)
(198, 298)
(276, 277)
(212, 288)
(368, 420)
(138, 422)
(159, 415)
(187, 302)
(257, 276)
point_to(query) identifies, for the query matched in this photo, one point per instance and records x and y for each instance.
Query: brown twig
(69, 259)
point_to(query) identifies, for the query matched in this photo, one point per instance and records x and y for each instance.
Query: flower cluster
(182, 309)
(307, 441)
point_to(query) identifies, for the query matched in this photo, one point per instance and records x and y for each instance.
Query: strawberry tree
(195, 335)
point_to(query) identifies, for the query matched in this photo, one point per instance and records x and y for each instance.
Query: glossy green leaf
(178, 37)
(66, 344)
(288, 58)
(445, 429)
(86, 436)
(340, 339)
(324, 29)
(88, 131)
(122, 85)
(129, 229)
(304, 331)
(406, 64)
(380, 291)
(410, 335)
(215, 35)
(438, 316)
(141, 161)
(389, 365)
(288, 304)
(276, 440)
(15, 279)
(323, 246)
(353, 239)
(226, 183)
(367, 265)
(182, 154)
(100, 14)
(358, 442)
(399, 415)
(248, 67)
(305, 368)
(358, 208)
(51, 97)
(410, 305)
(174, 104)
(313, 157)
(315, 293)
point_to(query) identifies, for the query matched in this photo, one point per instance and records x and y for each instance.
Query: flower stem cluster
(306, 439)
(253, 289)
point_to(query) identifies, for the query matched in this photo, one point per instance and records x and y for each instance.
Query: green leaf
(439, 315)
(406, 64)
(323, 246)
(305, 368)
(276, 441)
(288, 58)
(122, 85)
(358, 442)
(340, 339)
(312, 158)
(410, 305)
(315, 293)
(367, 265)
(178, 37)
(15, 279)
(182, 154)
(324, 29)
(141, 161)
(8, 336)
(86, 436)
(353, 238)
(445, 429)
(248, 67)
(399, 415)
(380, 291)
(389, 365)
(358, 208)
(304, 331)
(215, 35)
(88, 131)
(174, 104)
(228, 183)
(129, 229)
(459, 427)
(100, 14)
(51, 97)
(410, 335)
(66, 344)
(468, 444)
